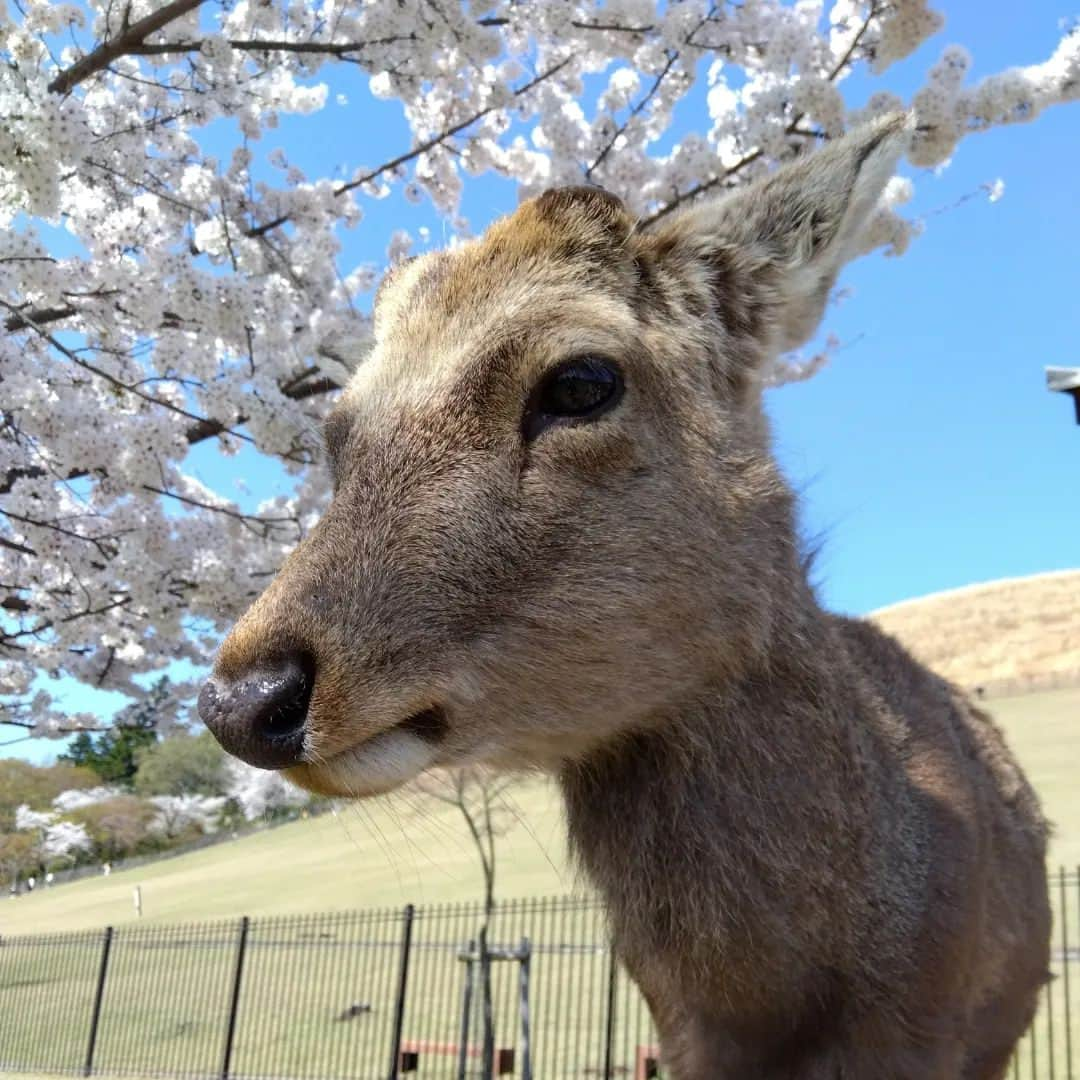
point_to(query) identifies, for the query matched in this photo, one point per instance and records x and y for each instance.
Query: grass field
(1044, 731)
(406, 849)
(402, 849)
(166, 998)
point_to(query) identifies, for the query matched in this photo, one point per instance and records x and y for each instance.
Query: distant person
(49, 877)
(106, 869)
(30, 883)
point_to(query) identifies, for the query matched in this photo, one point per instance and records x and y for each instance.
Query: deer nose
(260, 715)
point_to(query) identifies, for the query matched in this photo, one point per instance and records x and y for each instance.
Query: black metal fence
(377, 994)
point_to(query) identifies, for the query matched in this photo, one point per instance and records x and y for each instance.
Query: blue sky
(929, 454)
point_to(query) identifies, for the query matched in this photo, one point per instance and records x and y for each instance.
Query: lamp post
(1066, 381)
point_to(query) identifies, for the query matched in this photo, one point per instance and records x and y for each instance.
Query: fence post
(95, 1016)
(609, 1026)
(403, 980)
(234, 1000)
(466, 1014)
(526, 1019)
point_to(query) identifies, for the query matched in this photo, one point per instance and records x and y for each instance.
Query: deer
(558, 541)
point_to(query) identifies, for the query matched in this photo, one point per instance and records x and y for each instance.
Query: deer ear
(772, 250)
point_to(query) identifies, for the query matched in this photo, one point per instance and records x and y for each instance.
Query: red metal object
(647, 1063)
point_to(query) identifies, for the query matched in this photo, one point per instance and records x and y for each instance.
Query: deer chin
(378, 764)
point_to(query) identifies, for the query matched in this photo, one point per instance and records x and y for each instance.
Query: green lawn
(401, 849)
(1044, 731)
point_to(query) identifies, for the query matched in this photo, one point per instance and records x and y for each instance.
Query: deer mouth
(430, 725)
(379, 763)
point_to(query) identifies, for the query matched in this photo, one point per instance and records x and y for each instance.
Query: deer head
(555, 514)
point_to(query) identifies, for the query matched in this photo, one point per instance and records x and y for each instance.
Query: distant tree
(182, 817)
(113, 755)
(118, 827)
(477, 795)
(64, 842)
(22, 783)
(19, 856)
(76, 799)
(262, 795)
(182, 764)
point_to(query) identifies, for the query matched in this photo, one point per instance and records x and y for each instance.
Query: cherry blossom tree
(65, 841)
(178, 815)
(161, 295)
(77, 799)
(54, 839)
(27, 820)
(261, 794)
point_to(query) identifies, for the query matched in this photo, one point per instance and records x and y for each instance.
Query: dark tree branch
(261, 525)
(700, 189)
(634, 112)
(12, 545)
(39, 317)
(256, 45)
(48, 624)
(132, 37)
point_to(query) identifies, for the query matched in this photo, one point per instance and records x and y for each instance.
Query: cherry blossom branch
(501, 20)
(108, 51)
(97, 541)
(261, 525)
(755, 155)
(38, 317)
(700, 189)
(13, 545)
(421, 148)
(299, 388)
(48, 624)
(873, 12)
(322, 48)
(673, 56)
(113, 381)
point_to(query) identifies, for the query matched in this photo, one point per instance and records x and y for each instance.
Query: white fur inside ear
(837, 190)
(380, 764)
(875, 170)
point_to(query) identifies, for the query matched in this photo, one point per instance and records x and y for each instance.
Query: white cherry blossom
(64, 840)
(258, 792)
(178, 813)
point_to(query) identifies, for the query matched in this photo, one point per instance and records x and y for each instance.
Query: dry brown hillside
(1007, 636)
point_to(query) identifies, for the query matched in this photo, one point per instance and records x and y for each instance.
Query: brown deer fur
(820, 860)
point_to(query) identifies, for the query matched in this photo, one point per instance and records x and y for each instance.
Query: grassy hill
(391, 851)
(1007, 636)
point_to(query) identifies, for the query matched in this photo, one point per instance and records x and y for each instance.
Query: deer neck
(705, 830)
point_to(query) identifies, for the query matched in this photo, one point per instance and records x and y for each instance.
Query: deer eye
(577, 391)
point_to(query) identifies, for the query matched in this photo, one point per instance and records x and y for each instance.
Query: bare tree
(478, 795)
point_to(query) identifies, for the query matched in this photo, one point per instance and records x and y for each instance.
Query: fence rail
(383, 993)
